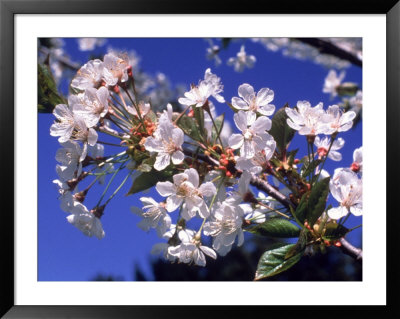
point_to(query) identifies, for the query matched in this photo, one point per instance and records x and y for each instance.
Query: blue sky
(65, 254)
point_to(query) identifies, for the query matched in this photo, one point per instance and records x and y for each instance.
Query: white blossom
(337, 121)
(154, 215)
(250, 101)
(167, 143)
(89, 75)
(346, 188)
(65, 125)
(115, 69)
(86, 221)
(323, 147)
(253, 138)
(93, 105)
(242, 60)
(191, 250)
(260, 159)
(332, 81)
(225, 225)
(216, 85)
(69, 156)
(185, 190)
(198, 95)
(305, 119)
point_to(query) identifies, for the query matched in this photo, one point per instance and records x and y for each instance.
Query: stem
(106, 143)
(109, 184)
(326, 156)
(358, 226)
(273, 210)
(119, 187)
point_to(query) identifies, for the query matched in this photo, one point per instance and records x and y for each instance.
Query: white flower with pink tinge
(225, 226)
(154, 215)
(337, 121)
(92, 106)
(88, 76)
(305, 119)
(115, 69)
(191, 250)
(254, 137)
(198, 95)
(250, 101)
(323, 147)
(185, 190)
(346, 188)
(167, 143)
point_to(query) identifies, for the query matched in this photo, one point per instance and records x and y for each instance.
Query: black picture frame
(8, 9)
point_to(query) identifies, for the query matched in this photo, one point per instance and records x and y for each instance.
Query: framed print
(167, 159)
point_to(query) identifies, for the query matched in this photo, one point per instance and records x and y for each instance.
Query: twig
(350, 250)
(326, 47)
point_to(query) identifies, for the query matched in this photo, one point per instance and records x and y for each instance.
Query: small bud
(296, 161)
(338, 244)
(228, 174)
(355, 167)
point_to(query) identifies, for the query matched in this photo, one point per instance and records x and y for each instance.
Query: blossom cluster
(205, 173)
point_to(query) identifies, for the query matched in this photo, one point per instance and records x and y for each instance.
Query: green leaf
(147, 180)
(308, 167)
(273, 262)
(334, 231)
(189, 127)
(48, 96)
(313, 203)
(301, 210)
(281, 132)
(317, 201)
(276, 227)
(300, 245)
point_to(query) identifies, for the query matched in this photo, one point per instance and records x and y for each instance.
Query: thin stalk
(119, 187)
(109, 184)
(326, 156)
(273, 210)
(111, 144)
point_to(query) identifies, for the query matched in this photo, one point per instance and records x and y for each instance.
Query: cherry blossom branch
(350, 250)
(270, 190)
(326, 47)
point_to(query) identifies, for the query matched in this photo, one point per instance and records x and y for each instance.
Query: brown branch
(350, 250)
(270, 190)
(326, 47)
